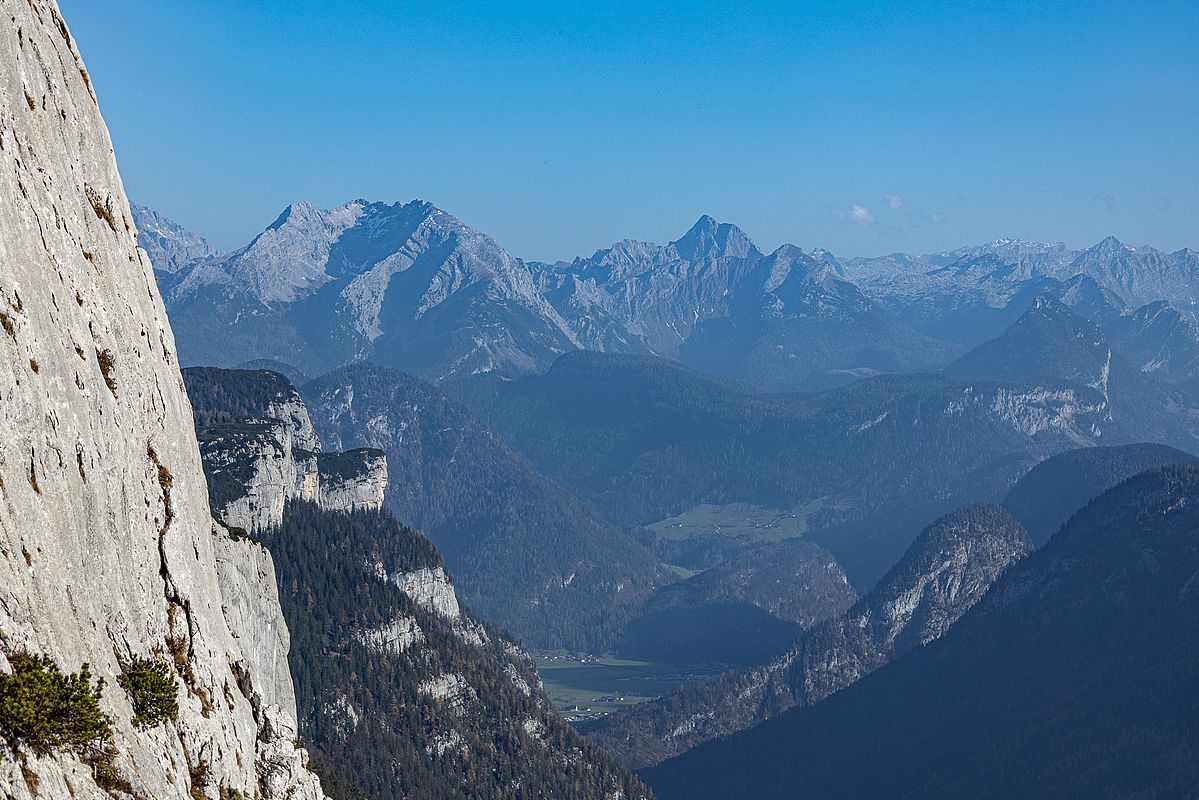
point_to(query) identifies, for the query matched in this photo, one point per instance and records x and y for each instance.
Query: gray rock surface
(106, 541)
(352, 480)
(403, 284)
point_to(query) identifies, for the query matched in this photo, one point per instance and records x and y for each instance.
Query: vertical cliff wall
(107, 548)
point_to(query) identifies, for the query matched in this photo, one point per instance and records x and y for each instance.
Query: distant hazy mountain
(866, 464)
(169, 245)
(944, 572)
(1161, 340)
(1074, 677)
(405, 285)
(714, 301)
(1044, 499)
(1142, 275)
(524, 553)
(636, 297)
(794, 322)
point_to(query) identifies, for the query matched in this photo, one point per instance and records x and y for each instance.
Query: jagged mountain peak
(1108, 244)
(169, 245)
(720, 239)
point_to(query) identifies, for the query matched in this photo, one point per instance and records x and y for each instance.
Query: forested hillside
(400, 692)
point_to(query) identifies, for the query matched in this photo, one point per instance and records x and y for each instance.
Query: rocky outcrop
(403, 691)
(252, 474)
(260, 451)
(944, 573)
(107, 551)
(250, 601)
(350, 480)
(430, 589)
(512, 538)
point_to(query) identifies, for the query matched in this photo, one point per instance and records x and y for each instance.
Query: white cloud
(860, 214)
(937, 219)
(894, 200)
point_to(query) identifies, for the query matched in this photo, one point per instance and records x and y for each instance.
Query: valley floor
(585, 688)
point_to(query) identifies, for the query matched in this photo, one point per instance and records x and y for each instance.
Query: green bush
(45, 710)
(151, 689)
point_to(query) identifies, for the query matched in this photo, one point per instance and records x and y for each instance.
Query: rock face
(946, 570)
(107, 547)
(350, 480)
(260, 450)
(1049, 339)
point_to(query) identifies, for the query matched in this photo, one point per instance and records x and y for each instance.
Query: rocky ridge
(1077, 665)
(169, 245)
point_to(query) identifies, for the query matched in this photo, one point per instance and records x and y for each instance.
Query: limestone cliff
(260, 450)
(107, 547)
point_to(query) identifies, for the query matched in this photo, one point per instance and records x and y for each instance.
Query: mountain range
(783, 464)
(413, 287)
(858, 469)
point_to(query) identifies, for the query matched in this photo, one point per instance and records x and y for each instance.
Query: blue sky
(863, 128)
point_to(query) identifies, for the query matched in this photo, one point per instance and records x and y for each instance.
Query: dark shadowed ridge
(1078, 666)
(1044, 499)
(524, 553)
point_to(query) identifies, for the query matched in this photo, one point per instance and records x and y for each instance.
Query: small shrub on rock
(151, 690)
(46, 710)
